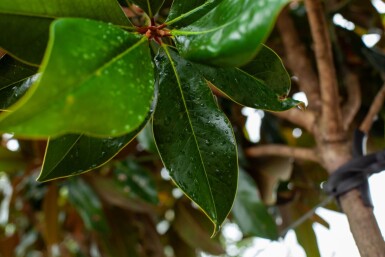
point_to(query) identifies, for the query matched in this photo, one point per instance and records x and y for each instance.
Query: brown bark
(330, 131)
(298, 61)
(283, 150)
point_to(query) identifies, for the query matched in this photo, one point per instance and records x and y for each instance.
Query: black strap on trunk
(355, 173)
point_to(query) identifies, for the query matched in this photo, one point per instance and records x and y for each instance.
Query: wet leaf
(88, 205)
(194, 137)
(136, 181)
(24, 27)
(265, 87)
(84, 87)
(15, 79)
(74, 154)
(151, 7)
(183, 13)
(230, 34)
(250, 213)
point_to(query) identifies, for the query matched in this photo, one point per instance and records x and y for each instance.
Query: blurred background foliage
(130, 207)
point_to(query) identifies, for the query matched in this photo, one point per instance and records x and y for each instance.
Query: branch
(283, 150)
(297, 59)
(373, 111)
(2, 53)
(353, 102)
(331, 113)
(304, 119)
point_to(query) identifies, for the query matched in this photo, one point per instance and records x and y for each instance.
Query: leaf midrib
(191, 126)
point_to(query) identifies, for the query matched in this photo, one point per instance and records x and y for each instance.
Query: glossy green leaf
(230, 34)
(268, 67)
(73, 154)
(266, 87)
(151, 7)
(249, 211)
(136, 181)
(101, 89)
(24, 26)
(189, 225)
(194, 137)
(88, 205)
(15, 79)
(183, 13)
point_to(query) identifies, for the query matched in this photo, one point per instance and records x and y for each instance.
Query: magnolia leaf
(249, 211)
(103, 89)
(88, 204)
(229, 35)
(74, 154)
(194, 137)
(189, 225)
(15, 80)
(268, 67)
(24, 27)
(136, 181)
(183, 13)
(151, 7)
(266, 87)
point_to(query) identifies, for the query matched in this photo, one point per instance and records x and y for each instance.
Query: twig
(298, 61)
(331, 112)
(304, 119)
(283, 150)
(353, 102)
(373, 111)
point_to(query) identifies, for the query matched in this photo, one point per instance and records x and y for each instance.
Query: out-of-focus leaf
(84, 87)
(15, 79)
(51, 216)
(146, 139)
(307, 239)
(11, 161)
(320, 220)
(114, 195)
(190, 229)
(230, 34)
(266, 87)
(249, 211)
(180, 247)
(272, 171)
(183, 13)
(376, 57)
(75, 154)
(151, 7)
(194, 137)
(24, 27)
(136, 181)
(88, 205)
